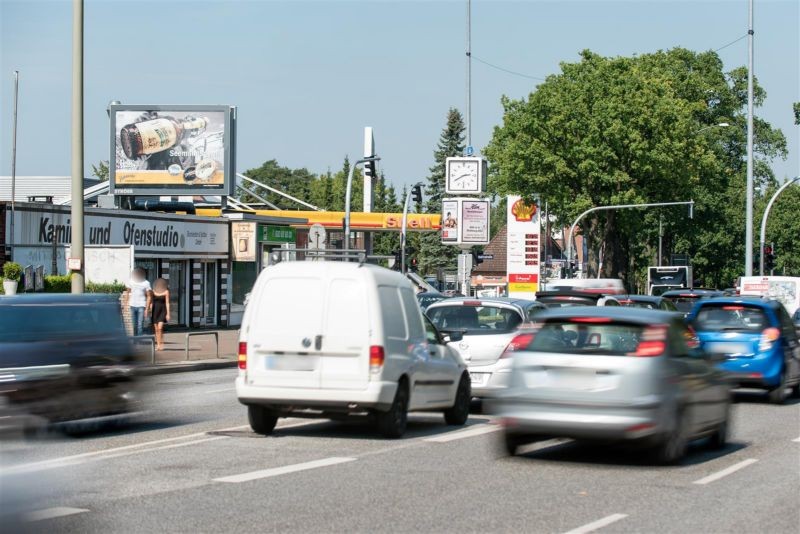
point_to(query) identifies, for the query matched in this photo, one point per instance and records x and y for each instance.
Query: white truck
(785, 289)
(667, 278)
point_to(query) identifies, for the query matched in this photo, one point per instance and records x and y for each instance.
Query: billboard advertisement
(171, 150)
(450, 221)
(522, 252)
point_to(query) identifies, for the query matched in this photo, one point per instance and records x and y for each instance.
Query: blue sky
(308, 76)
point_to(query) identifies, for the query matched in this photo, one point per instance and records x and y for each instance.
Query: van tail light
(376, 357)
(243, 355)
(653, 342)
(520, 342)
(768, 337)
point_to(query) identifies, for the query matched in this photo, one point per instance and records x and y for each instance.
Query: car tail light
(768, 337)
(376, 357)
(733, 308)
(594, 320)
(520, 342)
(243, 355)
(471, 303)
(653, 342)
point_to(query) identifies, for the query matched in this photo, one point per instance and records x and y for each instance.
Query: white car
(331, 339)
(487, 325)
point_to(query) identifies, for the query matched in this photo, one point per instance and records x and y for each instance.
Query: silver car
(614, 374)
(487, 326)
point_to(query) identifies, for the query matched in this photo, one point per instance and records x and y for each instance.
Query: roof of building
(497, 249)
(58, 187)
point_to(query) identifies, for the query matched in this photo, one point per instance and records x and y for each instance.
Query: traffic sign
(485, 256)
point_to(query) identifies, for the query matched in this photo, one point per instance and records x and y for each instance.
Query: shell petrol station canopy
(421, 222)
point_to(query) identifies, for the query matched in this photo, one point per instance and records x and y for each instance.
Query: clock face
(464, 176)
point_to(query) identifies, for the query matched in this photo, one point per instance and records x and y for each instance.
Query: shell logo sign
(523, 212)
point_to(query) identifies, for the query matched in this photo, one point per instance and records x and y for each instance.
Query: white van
(330, 339)
(605, 286)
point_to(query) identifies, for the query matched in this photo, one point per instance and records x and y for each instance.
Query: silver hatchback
(613, 374)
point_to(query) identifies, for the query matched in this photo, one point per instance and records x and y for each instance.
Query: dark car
(565, 298)
(796, 319)
(426, 298)
(757, 340)
(613, 374)
(64, 358)
(685, 299)
(648, 302)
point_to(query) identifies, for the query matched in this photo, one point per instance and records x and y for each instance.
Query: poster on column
(522, 252)
(450, 221)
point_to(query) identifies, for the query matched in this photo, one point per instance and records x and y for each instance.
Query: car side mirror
(452, 336)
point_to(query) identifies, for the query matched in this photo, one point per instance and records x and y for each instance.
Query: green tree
(629, 130)
(796, 109)
(101, 170)
(295, 182)
(433, 254)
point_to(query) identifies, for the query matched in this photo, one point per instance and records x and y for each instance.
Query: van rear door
(283, 333)
(346, 335)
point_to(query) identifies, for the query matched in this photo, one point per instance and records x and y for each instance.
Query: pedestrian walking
(138, 289)
(160, 310)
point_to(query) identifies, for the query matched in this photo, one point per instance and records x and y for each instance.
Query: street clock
(465, 175)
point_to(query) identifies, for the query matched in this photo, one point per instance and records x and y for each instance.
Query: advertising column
(522, 253)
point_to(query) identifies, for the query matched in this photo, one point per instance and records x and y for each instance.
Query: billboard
(171, 150)
(465, 221)
(522, 252)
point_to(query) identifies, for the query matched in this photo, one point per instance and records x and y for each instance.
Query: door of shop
(178, 294)
(209, 293)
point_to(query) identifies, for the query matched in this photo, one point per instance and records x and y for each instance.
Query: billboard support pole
(76, 245)
(14, 156)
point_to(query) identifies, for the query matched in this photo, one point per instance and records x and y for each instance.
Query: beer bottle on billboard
(157, 135)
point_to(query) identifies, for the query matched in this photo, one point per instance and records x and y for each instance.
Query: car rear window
(566, 302)
(642, 304)
(475, 320)
(44, 322)
(571, 337)
(684, 304)
(731, 317)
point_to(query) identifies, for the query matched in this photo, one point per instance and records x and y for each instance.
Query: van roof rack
(312, 254)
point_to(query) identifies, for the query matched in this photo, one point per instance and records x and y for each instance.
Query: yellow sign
(423, 222)
(527, 287)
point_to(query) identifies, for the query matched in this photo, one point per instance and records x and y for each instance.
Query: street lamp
(763, 236)
(720, 125)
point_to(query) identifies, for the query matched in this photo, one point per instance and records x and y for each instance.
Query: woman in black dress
(160, 310)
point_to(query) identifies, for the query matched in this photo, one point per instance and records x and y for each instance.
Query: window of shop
(244, 277)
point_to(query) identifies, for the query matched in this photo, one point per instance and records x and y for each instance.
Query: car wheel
(392, 424)
(673, 448)
(719, 438)
(796, 391)
(261, 419)
(778, 394)
(458, 414)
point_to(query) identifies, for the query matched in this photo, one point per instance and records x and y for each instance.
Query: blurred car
(64, 359)
(685, 299)
(796, 319)
(567, 298)
(426, 298)
(756, 340)
(650, 302)
(602, 286)
(487, 326)
(613, 374)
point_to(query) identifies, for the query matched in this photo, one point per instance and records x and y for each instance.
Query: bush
(12, 271)
(114, 287)
(57, 283)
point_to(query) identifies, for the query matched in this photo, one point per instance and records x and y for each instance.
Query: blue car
(757, 339)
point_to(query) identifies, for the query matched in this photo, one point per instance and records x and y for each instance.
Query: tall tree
(628, 130)
(433, 254)
(295, 182)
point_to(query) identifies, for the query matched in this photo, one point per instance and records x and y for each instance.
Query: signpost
(522, 247)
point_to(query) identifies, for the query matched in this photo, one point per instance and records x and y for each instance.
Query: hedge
(63, 284)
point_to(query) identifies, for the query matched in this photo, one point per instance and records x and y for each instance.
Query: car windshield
(475, 320)
(427, 300)
(43, 322)
(684, 304)
(569, 337)
(736, 318)
(642, 304)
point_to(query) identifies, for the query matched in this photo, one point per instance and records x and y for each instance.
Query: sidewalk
(201, 355)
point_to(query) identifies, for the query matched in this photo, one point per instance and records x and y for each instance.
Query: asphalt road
(192, 465)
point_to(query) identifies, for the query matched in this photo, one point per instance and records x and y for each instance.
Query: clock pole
(469, 73)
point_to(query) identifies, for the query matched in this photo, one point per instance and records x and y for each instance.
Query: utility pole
(469, 73)
(76, 246)
(748, 247)
(660, 238)
(14, 156)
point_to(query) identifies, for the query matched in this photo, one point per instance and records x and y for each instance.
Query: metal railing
(189, 334)
(152, 340)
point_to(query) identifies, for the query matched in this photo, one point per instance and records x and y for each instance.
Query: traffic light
(416, 194)
(369, 169)
(769, 258)
(476, 258)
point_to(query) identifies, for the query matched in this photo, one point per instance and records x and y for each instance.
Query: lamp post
(347, 199)
(762, 237)
(720, 125)
(748, 224)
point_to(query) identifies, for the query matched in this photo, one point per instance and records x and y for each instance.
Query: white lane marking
(596, 525)
(725, 472)
(52, 513)
(477, 430)
(218, 390)
(276, 471)
(796, 440)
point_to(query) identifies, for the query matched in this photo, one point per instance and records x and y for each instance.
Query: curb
(184, 367)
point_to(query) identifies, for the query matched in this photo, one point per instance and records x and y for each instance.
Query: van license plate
(291, 363)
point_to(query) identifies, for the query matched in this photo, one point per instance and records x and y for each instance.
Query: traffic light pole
(348, 196)
(763, 235)
(690, 203)
(403, 227)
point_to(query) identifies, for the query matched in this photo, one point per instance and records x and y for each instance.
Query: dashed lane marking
(725, 472)
(477, 430)
(277, 471)
(597, 525)
(52, 513)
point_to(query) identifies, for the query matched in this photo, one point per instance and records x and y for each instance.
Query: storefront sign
(161, 235)
(276, 234)
(244, 241)
(522, 252)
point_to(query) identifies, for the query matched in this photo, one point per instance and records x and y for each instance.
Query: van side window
(394, 324)
(413, 315)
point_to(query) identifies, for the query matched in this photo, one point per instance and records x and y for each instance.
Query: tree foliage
(629, 130)
(101, 170)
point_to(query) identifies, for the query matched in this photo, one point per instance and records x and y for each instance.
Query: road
(193, 465)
